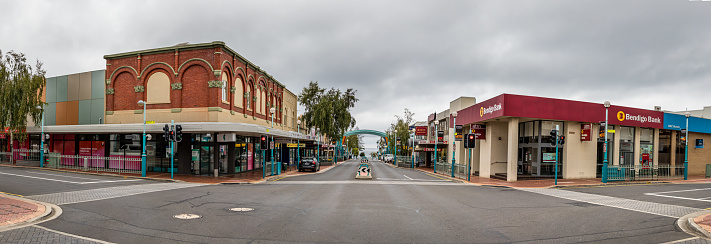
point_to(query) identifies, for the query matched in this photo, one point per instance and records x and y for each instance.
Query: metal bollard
(86, 164)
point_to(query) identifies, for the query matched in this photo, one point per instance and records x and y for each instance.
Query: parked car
(388, 158)
(309, 163)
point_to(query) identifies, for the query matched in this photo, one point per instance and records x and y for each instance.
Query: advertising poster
(549, 157)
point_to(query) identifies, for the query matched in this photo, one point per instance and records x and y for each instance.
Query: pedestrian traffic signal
(166, 133)
(178, 133)
(469, 141)
(561, 140)
(263, 144)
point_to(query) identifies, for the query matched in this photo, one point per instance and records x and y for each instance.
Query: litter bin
(708, 170)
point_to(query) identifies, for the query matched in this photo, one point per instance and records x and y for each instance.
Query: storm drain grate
(241, 209)
(187, 216)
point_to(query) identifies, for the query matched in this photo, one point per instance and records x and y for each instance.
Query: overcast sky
(410, 54)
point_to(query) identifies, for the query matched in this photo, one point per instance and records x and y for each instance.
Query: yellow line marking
(12, 194)
(707, 208)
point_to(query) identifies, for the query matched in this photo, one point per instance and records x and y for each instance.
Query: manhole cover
(241, 209)
(187, 216)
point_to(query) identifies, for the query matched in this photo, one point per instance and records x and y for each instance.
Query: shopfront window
(646, 147)
(547, 127)
(664, 149)
(626, 145)
(240, 155)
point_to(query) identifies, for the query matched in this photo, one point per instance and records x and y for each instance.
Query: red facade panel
(558, 109)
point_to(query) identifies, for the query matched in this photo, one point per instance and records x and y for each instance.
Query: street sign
(148, 137)
(271, 145)
(295, 145)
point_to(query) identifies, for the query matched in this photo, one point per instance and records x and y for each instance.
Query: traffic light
(561, 140)
(554, 137)
(263, 144)
(469, 141)
(178, 133)
(166, 133)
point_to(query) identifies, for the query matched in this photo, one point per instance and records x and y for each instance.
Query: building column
(485, 153)
(616, 148)
(655, 152)
(637, 133)
(512, 159)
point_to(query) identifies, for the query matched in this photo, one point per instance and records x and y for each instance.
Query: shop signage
(699, 143)
(549, 157)
(585, 132)
(294, 145)
(636, 117)
(440, 135)
(230, 137)
(479, 131)
(421, 130)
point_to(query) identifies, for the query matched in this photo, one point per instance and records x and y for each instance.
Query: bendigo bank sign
(638, 117)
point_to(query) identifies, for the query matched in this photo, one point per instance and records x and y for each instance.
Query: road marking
(663, 194)
(64, 181)
(660, 209)
(72, 235)
(6, 193)
(106, 181)
(62, 198)
(66, 176)
(375, 182)
(689, 240)
(40, 178)
(407, 177)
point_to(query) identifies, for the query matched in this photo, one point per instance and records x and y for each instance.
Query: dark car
(309, 163)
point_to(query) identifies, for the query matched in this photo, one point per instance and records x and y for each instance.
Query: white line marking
(702, 189)
(682, 240)
(40, 178)
(72, 235)
(62, 175)
(64, 181)
(682, 198)
(107, 181)
(407, 177)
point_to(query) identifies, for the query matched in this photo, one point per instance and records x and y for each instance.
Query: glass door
(206, 159)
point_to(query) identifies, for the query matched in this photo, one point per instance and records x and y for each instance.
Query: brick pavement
(36, 234)
(15, 211)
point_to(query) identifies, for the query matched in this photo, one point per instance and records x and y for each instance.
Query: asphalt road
(397, 206)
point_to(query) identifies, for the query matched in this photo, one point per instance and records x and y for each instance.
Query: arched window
(224, 97)
(239, 93)
(249, 98)
(158, 88)
(263, 105)
(258, 94)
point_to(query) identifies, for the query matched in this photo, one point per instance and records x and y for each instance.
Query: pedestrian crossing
(107, 193)
(660, 209)
(369, 182)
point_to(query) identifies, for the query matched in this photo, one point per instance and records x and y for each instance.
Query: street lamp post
(454, 141)
(436, 141)
(42, 139)
(271, 111)
(298, 143)
(395, 149)
(318, 145)
(686, 148)
(604, 160)
(143, 155)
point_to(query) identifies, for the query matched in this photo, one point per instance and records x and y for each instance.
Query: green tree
(21, 89)
(329, 110)
(400, 128)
